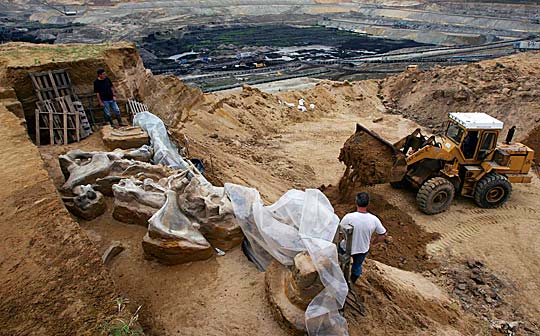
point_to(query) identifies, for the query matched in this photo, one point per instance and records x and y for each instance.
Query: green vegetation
(122, 326)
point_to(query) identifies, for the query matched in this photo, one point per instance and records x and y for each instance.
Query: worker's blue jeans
(108, 105)
(356, 269)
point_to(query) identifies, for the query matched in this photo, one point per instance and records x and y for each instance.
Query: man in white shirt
(364, 225)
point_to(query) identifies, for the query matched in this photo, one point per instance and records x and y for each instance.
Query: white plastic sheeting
(165, 152)
(298, 221)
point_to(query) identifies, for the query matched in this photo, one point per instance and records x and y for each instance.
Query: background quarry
(467, 271)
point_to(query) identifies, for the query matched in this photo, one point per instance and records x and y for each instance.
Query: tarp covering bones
(298, 221)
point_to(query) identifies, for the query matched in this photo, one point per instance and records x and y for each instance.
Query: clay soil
(407, 247)
(270, 147)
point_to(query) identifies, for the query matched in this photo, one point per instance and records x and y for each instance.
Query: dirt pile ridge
(506, 88)
(367, 160)
(240, 135)
(533, 140)
(398, 302)
(247, 138)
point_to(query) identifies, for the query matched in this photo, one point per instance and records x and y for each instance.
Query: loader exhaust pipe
(510, 135)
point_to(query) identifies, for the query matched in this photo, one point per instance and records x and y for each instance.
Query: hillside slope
(506, 88)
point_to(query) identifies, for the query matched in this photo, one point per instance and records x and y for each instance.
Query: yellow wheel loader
(465, 159)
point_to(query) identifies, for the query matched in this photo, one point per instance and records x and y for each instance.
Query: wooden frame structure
(133, 107)
(64, 126)
(59, 111)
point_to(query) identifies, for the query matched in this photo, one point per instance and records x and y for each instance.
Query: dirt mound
(533, 140)
(403, 303)
(368, 161)
(407, 249)
(240, 138)
(505, 88)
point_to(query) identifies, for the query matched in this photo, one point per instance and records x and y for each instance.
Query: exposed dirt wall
(122, 64)
(52, 280)
(533, 140)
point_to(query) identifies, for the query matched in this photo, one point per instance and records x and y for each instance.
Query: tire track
(460, 228)
(459, 225)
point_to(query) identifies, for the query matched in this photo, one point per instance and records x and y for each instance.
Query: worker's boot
(109, 119)
(119, 118)
(354, 278)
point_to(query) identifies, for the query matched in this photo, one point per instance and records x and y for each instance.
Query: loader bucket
(370, 159)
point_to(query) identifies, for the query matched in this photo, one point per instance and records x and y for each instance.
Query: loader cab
(475, 134)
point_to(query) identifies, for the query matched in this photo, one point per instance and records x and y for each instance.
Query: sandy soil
(506, 88)
(301, 153)
(505, 239)
(253, 138)
(221, 296)
(52, 278)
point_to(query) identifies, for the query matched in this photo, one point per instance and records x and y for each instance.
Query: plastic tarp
(298, 221)
(165, 152)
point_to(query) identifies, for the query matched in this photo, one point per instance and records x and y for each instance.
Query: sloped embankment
(166, 96)
(52, 279)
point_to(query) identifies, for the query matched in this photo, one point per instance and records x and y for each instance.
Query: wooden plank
(75, 115)
(53, 84)
(60, 79)
(38, 140)
(43, 86)
(70, 85)
(51, 127)
(64, 116)
(56, 122)
(36, 87)
(77, 125)
(65, 125)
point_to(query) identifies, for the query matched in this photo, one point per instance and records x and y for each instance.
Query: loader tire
(435, 195)
(492, 191)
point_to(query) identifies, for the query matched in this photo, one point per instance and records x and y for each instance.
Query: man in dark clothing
(106, 95)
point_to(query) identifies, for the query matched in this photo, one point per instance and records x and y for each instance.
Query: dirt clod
(367, 160)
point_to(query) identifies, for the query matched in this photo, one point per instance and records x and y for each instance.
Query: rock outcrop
(290, 290)
(212, 210)
(124, 137)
